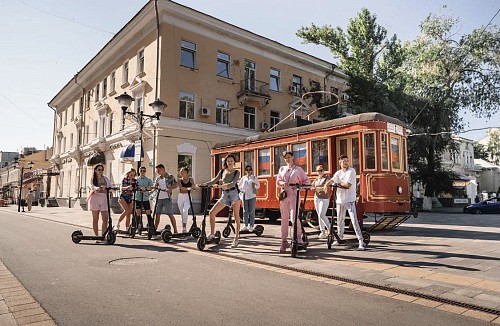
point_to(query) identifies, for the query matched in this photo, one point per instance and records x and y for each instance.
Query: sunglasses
(248, 170)
(99, 169)
(319, 170)
(142, 170)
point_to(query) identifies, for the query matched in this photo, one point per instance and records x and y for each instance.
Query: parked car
(489, 206)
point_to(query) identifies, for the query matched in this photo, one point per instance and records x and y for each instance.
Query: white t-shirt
(345, 195)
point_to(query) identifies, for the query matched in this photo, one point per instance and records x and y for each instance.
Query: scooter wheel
(226, 232)
(366, 237)
(294, 250)
(200, 244)
(132, 231)
(217, 237)
(168, 227)
(166, 235)
(259, 229)
(196, 232)
(77, 236)
(110, 238)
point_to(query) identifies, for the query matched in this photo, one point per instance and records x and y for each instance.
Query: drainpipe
(82, 131)
(53, 142)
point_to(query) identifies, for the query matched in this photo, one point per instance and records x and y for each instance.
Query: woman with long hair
(97, 199)
(228, 176)
(126, 198)
(186, 183)
(321, 201)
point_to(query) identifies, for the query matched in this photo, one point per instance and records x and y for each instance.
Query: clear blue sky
(40, 51)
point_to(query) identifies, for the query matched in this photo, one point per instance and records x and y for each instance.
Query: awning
(461, 176)
(97, 158)
(128, 153)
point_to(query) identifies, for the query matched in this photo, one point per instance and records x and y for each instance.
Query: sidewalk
(450, 256)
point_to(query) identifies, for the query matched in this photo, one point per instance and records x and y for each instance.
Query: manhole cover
(133, 261)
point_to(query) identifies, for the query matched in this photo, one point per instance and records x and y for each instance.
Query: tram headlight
(399, 189)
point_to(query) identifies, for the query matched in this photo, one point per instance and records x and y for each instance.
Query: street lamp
(30, 166)
(126, 100)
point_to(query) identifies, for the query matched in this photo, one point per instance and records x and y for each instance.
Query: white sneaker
(235, 243)
(211, 237)
(116, 227)
(250, 229)
(245, 228)
(184, 230)
(98, 241)
(322, 235)
(335, 243)
(361, 246)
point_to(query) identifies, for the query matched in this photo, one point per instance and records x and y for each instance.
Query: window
(72, 111)
(102, 131)
(71, 140)
(248, 159)
(369, 151)
(385, 151)
(223, 60)
(250, 75)
(403, 154)
(87, 132)
(97, 92)
(334, 90)
(125, 73)
(279, 161)
(140, 62)
(395, 153)
(222, 114)
(185, 161)
(112, 81)
(79, 137)
(95, 129)
(297, 83)
(65, 117)
(105, 87)
(88, 100)
(319, 153)
(80, 108)
(110, 124)
(249, 117)
(188, 54)
(275, 118)
(186, 106)
(264, 167)
(349, 146)
(63, 145)
(300, 155)
(274, 80)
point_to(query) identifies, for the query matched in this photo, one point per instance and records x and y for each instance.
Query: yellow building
(219, 81)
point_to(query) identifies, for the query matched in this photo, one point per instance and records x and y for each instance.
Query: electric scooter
(136, 226)
(203, 240)
(194, 230)
(258, 229)
(109, 235)
(296, 245)
(333, 231)
(151, 222)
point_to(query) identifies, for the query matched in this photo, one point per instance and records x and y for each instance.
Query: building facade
(219, 81)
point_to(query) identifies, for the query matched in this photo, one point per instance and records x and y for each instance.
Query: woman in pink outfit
(289, 175)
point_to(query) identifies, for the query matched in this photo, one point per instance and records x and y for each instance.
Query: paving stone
(18, 288)
(43, 323)
(496, 321)
(427, 303)
(28, 312)
(435, 289)
(3, 308)
(7, 320)
(32, 319)
(24, 307)
(453, 279)
(21, 302)
(404, 297)
(480, 315)
(15, 293)
(385, 293)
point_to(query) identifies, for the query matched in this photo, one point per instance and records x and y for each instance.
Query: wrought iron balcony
(255, 88)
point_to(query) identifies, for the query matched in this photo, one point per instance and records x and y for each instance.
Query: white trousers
(321, 206)
(183, 204)
(351, 209)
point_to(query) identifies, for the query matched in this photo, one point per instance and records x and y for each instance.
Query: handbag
(282, 196)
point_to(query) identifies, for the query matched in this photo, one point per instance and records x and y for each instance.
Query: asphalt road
(77, 285)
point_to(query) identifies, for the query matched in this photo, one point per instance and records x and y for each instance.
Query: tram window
(403, 154)
(343, 147)
(355, 154)
(235, 154)
(319, 153)
(369, 151)
(264, 164)
(395, 154)
(300, 155)
(385, 151)
(249, 159)
(279, 161)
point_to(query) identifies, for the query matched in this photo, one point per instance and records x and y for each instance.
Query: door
(250, 74)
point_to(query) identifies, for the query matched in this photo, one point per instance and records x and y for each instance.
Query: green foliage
(480, 151)
(494, 146)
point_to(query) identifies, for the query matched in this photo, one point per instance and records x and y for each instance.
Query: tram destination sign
(394, 128)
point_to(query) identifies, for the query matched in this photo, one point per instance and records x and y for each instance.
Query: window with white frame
(112, 81)
(72, 111)
(60, 116)
(102, 130)
(188, 54)
(223, 66)
(186, 105)
(97, 92)
(87, 132)
(88, 99)
(96, 130)
(275, 80)
(222, 114)
(297, 83)
(249, 117)
(125, 73)
(81, 105)
(140, 62)
(65, 117)
(275, 118)
(110, 123)
(105, 87)
(71, 140)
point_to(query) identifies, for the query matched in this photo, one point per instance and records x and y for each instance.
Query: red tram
(375, 144)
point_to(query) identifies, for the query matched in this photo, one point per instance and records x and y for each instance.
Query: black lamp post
(30, 165)
(126, 100)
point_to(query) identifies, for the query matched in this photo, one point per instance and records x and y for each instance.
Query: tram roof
(339, 122)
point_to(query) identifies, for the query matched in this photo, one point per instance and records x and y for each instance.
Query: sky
(44, 43)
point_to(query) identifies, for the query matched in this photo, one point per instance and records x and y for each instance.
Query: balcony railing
(251, 87)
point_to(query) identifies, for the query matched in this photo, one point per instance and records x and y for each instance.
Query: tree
(494, 146)
(481, 152)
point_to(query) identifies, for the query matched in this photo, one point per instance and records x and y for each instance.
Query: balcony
(253, 88)
(98, 144)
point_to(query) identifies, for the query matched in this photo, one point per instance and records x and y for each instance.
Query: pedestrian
(97, 200)
(29, 199)
(289, 175)
(321, 201)
(126, 198)
(186, 183)
(248, 186)
(164, 183)
(345, 180)
(228, 177)
(144, 185)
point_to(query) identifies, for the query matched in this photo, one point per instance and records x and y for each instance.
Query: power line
(484, 28)
(26, 113)
(61, 17)
(450, 132)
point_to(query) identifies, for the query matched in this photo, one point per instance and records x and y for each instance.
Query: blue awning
(128, 153)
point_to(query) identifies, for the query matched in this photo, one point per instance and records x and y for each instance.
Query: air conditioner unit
(345, 97)
(205, 112)
(264, 125)
(292, 89)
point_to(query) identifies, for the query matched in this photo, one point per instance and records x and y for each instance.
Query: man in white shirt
(345, 180)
